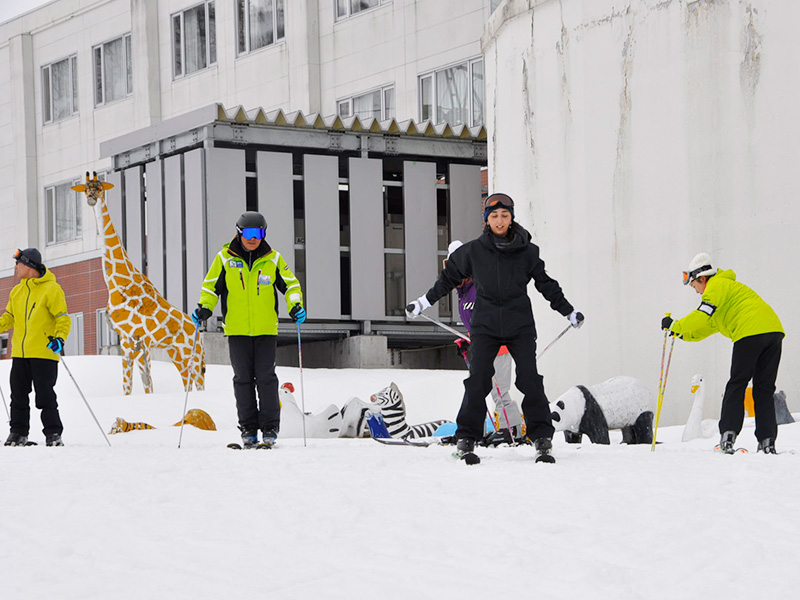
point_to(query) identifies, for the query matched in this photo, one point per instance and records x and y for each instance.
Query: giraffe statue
(140, 315)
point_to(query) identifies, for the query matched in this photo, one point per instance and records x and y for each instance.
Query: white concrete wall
(319, 61)
(632, 137)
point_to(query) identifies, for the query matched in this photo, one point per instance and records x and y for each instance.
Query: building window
(259, 23)
(73, 345)
(194, 39)
(453, 95)
(62, 213)
(348, 8)
(377, 104)
(60, 89)
(113, 78)
(106, 336)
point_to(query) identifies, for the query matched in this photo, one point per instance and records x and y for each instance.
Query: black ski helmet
(251, 219)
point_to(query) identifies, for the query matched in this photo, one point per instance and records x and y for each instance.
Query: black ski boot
(53, 439)
(16, 439)
(495, 438)
(269, 438)
(767, 446)
(543, 447)
(465, 450)
(249, 439)
(726, 443)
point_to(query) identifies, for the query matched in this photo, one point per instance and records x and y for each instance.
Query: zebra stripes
(393, 409)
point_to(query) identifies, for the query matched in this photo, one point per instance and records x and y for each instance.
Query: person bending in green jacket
(737, 312)
(246, 276)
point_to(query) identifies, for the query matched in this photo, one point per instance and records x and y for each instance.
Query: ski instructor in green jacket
(737, 312)
(246, 276)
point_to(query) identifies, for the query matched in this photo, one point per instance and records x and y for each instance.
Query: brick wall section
(85, 290)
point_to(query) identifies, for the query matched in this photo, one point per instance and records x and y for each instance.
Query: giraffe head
(94, 188)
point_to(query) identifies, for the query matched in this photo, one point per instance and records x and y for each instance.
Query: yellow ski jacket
(730, 308)
(36, 309)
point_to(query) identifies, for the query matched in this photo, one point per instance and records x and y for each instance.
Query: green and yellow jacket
(36, 309)
(728, 307)
(248, 283)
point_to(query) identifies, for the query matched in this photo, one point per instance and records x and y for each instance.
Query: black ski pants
(755, 357)
(39, 374)
(253, 361)
(483, 349)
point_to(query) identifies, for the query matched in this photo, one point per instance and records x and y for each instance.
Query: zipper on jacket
(28, 299)
(258, 284)
(241, 278)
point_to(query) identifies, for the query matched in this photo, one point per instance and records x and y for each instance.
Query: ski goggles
(254, 233)
(498, 201)
(20, 257)
(690, 276)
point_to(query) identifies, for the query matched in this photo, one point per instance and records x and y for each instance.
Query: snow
(354, 519)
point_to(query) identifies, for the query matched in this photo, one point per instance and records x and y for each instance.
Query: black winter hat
(30, 257)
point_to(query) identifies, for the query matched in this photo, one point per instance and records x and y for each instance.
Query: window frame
(348, 9)
(382, 90)
(211, 38)
(275, 39)
(431, 77)
(50, 233)
(48, 115)
(128, 59)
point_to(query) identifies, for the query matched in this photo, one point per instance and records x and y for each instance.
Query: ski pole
(302, 387)
(77, 387)
(558, 337)
(188, 387)
(662, 383)
(8, 414)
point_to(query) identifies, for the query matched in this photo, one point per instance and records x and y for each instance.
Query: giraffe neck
(114, 254)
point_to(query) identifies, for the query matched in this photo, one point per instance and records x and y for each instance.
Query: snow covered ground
(355, 519)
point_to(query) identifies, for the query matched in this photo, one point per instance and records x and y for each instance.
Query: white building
(75, 73)
(654, 130)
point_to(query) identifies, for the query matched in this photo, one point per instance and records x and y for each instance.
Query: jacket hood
(726, 274)
(48, 276)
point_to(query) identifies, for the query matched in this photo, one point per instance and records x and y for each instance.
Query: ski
(403, 442)
(259, 446)
(719, 450)
(469, 458)
(31, 443)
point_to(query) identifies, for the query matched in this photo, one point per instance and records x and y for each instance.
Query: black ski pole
(77, 387)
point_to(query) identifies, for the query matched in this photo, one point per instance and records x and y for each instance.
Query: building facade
(74, 74)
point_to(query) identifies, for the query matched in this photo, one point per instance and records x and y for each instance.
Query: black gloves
(666, 323)
(200, 315)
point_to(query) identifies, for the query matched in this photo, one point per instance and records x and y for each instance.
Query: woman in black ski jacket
(501, 262)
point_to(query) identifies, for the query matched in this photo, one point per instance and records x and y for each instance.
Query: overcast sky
(11, 8)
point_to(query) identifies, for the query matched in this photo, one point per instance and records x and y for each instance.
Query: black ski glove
(200, 315)
(666, 323)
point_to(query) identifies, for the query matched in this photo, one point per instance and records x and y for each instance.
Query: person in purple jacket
(506, 412)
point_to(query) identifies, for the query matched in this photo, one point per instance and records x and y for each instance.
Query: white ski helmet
(700, 266)
(454, 245)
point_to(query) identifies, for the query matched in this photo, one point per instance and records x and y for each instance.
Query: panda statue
(620, 403)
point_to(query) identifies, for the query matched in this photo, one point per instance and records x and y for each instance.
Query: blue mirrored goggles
(254, 233)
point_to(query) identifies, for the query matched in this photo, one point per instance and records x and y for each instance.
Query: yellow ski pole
(662, 383)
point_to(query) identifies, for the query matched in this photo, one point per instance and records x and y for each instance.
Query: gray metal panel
(225, 196)
(466, 218)
(366, 239)
(323, 278)
(194, 187)
(173, 226)
(114, 203)
(133, 215)
(276, 200)
(155, 225)
(419, 196)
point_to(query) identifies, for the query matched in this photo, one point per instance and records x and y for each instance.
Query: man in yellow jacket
(737, 312)
(37, 310)
(246, 276)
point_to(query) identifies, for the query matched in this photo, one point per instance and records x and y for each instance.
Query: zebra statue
(393, 409)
